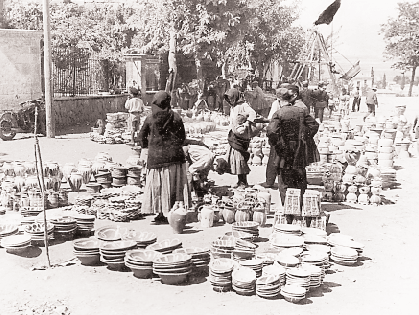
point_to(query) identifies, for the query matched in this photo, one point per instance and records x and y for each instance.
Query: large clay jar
(49, 183)
(265, 198)
(85, 172)
(29, 167)
(75, 181)
(259, 214)
(228, 213)
(8, 168)
(207, 217)
(242, 214)
(53, 169)
(177, 219)
(19, 182)
(68, 169)
(19, 169)
(97, 166)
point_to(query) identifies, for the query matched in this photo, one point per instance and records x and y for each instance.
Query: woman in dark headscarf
(163, 134)
(237, 155)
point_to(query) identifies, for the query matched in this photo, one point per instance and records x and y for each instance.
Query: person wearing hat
(321, 100)
(306, 96)
(163, 135)
(371, 101)
(135, 107)
(356, 94)
(291, 132)
(257, 95)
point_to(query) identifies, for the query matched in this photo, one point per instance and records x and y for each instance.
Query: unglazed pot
(75, 181)
(177, 219)
(85, 172)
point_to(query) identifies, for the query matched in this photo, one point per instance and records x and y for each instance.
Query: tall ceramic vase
(75, 180)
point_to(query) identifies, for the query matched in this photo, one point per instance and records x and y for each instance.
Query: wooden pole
(50, 123)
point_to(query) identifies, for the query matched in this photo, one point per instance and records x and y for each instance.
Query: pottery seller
(163, 134)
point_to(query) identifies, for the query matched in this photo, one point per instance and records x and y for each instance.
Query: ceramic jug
(207, 216)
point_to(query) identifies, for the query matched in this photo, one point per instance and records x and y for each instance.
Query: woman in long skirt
(163, 134)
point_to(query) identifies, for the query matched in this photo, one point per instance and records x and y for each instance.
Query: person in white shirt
(135, 107)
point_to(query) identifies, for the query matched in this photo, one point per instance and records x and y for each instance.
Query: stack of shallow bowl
(85, 223)
(173, 268)
(317, 258)
(244, 281)
(293, 293)
(37, 232)
(250, 227)
(16, 243)
(87, 251)
(268, 286)
(287, 260)
(141, 262)
(222, 248)
(268, 258)
(113, 253)
(221, 274)
(336, 239)
(28, 220)
(281, 241)
(318, 248)
(298, 276)
(344, 255)
(315, 274)
(292, 251)
(200, 258)
(314, 231)
(8, 230)
(143, 239)
(275, 270)
(241, 235)
(288, 229)
(243, 250)
(30, 211)
(108, 233)
(64, 228)
(255, 264)
(166, 246)
(346, 241)
(385, 155)
(310, 239)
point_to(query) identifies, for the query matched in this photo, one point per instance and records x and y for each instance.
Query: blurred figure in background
(356, 94)
(321, 101)
(372, 102)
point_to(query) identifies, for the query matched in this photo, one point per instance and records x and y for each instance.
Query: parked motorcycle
(23, 120)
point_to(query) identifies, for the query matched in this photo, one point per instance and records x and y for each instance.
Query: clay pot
(241, 215)
(8, 168)
(75, 180)
(19, 169)
(85, 172)
(207, 217)
(177, 220)
(228, 214)
(53, 169)
(53, 199)
(29, 168)
(19, 182)
(259, 214)
(68, 169)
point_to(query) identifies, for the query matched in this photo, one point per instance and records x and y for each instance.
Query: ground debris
(70, 262)
(38, 308)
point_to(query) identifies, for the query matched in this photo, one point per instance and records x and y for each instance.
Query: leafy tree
(401, 35)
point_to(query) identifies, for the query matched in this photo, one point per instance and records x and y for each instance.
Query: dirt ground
(385, 281)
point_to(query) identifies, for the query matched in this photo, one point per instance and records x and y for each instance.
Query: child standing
(135, 107)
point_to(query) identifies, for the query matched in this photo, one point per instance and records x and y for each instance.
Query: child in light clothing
(135, 107)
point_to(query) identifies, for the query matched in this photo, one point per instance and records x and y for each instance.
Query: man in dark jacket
(289, 131)
(306, 96)
(321, 100)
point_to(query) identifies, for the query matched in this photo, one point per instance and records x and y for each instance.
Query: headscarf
(233, 97)
(161, 111)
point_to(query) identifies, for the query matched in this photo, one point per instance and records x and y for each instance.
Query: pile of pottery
(113, 253)
(344, 255)
(166, 246)
(37, 232)
(281, 241)
(143, 239)
(250, 227)
(339, 240)
(244, 281)
(222, 248)
(287, 260)
(385, 153)
(293, 293)
(199, 128)
(299, 277)
(221, 274)
(268, 286)
(64, 228)
(109, 233)
(141, 262)
(254, 264)
(85, 223)
(316, 275)
(87, 251)
(288, 229)
(173, 268)
(243, 249)
(16, 243)
(8, 230)
(200, 258)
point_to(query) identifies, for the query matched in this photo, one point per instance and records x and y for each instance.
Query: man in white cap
(371, 101)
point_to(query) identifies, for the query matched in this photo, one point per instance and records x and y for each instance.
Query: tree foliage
(401, 35)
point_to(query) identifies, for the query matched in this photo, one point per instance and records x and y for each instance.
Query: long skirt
(238, 164)
(164, 186)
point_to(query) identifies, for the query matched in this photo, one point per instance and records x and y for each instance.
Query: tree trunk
(199, 72)
(171, 81)
(412, 80)
(224, 69)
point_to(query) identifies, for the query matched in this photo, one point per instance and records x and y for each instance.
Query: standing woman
(237, 155)
(163, 134)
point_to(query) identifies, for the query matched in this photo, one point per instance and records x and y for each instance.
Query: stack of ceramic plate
(221, 274)
(113, 253)
(143, 239)
(317, 258)
(64, 227)
(165, 246)
(222, 248)
(318, 248)
(250, 227)
(281, 241)
(293, 251)
(299, 277)
(268, 258)
(242, 235)
(315, 274)
(244, 281)
(8, 230)
(293, 293)
(275, 270)
(200, 258)
(85, 223)
(36, 231)
(255, 264)
(288, 229)
(287, 260)
(30, 211)
(109, 233)
(173, 268)
(313, 231)
(87, 251)
(314, 239)
(268, 286)
(141, 262)
(344, 255)
(16, 243)
(345, 241)
(28, 220)
(243, 250)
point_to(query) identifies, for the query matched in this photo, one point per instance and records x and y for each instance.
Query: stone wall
(20, 70)
(71, 110)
